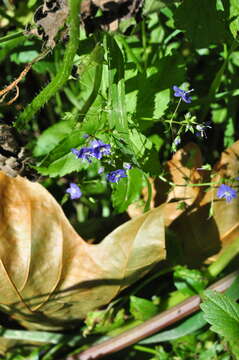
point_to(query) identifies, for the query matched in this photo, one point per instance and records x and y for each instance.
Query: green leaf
(222, 313)
(63, 166)
(189, 281)
(229, 133)
(117, 114)
(73, 140)
(153, 90)
(128, 189)
(140, 143)
(102, 321)
(52, 136)
(201, 21)
(234, 17)
(24, 56)
(190, 325)
(142, 309)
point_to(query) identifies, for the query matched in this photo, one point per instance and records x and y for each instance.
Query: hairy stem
(64, 72)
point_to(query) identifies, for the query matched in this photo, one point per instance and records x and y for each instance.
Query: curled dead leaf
(49, 18)
(49, 276)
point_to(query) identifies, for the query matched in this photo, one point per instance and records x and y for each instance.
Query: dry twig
(14, 84)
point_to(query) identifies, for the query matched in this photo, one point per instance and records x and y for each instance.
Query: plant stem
(64, 73)
(223, 260)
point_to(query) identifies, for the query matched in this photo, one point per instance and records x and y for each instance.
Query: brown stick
(152, 325)
(14, 84)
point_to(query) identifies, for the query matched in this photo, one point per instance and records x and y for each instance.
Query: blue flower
(226, 192)
(97, 150)
(127, 166)
(115, 176)
(182, 94)
(84, 153)
(74, 191)
(100, 149)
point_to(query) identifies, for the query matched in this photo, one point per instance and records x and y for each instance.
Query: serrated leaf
(52, 136)
(154, 90)
(49, 276)
(64, 165)
(117, 115)
(204, 26)
(222, 313)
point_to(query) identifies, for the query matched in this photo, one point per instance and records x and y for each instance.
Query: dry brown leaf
(113, 12)
(225, 214)
(49, 276)
(181, 170)
(200, 236)
(49, 19)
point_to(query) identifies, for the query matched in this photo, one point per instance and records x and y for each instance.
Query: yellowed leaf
(49, 276)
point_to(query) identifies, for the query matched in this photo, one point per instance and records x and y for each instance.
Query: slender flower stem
(64, 72)
(170, 121)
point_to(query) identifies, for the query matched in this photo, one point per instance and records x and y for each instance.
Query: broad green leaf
(202, 22)
(64, 147)
(117, 115)
(128, 189)
(90, 71)
(190, 325)
(53, 277)
(52, 136)
(142, 309)
(222, 313)
(64, 165)
(154, 90)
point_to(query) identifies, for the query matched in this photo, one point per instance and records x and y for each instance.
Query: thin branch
(14, 84)
(153, 325)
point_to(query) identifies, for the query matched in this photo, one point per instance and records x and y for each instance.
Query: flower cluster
(96, 149)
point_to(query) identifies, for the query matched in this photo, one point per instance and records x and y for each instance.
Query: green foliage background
(120, 91)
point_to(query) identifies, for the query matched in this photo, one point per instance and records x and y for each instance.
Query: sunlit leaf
(49, 276)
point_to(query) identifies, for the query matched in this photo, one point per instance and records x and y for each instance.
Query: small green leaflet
(222, 313)
(142, 309)
(189, 281)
